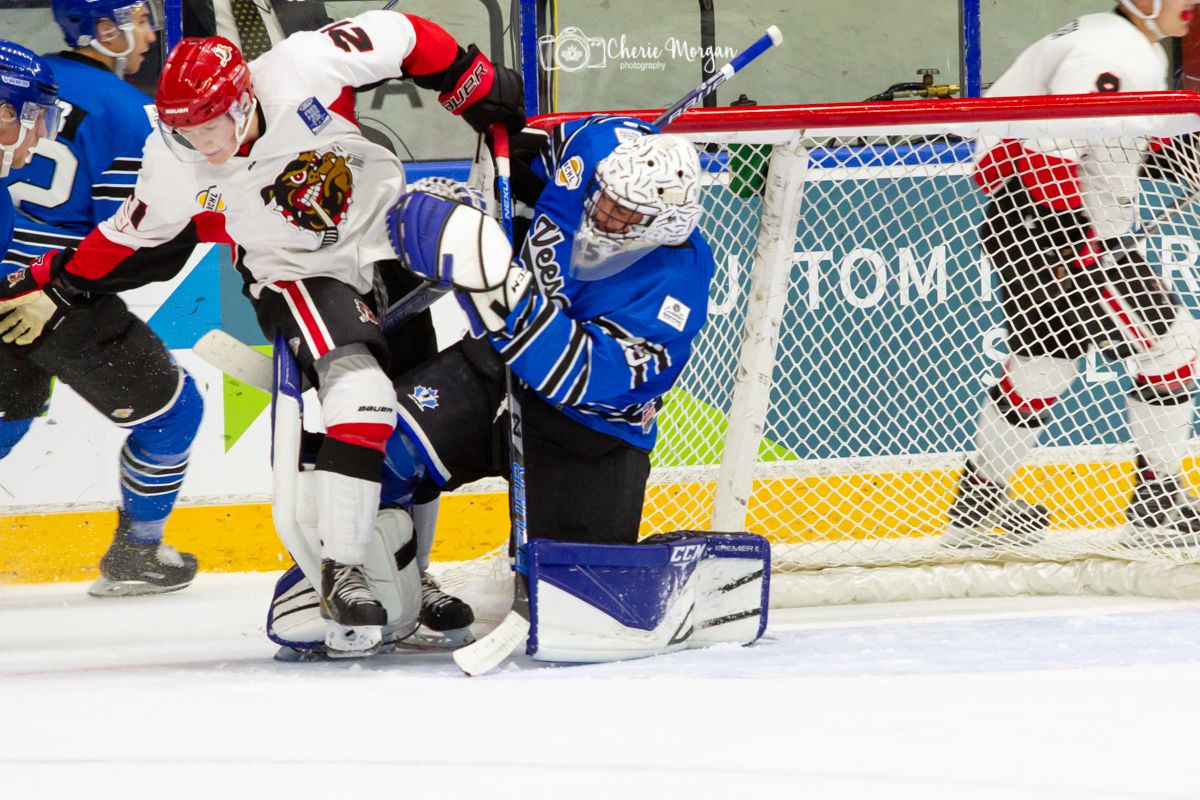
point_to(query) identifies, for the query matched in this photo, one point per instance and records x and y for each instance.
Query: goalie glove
(455, 245)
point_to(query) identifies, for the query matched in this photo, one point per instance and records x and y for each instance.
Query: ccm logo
(689, 552)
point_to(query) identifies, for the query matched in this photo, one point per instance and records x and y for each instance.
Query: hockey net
(854, 328)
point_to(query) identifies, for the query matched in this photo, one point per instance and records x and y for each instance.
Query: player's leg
(116, 363)
(446, 437)
(1045, 335)
(1161, 340)
(24, 392)
(412, 342)
(335, 336)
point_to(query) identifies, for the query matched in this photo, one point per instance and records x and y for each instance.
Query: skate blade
(347, 641)
(974, 539)
(427, 639)
(103, 587)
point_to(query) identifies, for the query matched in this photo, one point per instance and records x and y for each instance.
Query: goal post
(855, 326)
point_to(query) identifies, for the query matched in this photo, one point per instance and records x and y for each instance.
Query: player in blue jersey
(596, 317)
(81, 179)
(100, 349)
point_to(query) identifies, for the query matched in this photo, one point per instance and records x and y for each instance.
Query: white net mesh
(859, 330)
(891, 333)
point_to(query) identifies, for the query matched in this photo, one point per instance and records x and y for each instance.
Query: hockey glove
(35, 313)
(483, 93)
(28, 280)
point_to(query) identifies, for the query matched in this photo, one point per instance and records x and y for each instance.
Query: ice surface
(177, 697)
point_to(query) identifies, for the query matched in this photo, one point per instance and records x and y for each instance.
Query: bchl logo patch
(314, 114)
(424, 397)
(365, 314)
(122, 413)
(570, 173)
(210, 199)
(674, 313)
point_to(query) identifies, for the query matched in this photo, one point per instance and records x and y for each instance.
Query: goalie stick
(486, 653)
(770, 39)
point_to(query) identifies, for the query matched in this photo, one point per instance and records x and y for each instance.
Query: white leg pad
(295, 617)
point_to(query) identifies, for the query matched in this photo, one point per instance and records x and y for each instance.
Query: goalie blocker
(671, 592)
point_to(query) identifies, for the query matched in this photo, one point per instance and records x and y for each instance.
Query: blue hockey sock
(154, 461)
(403, 469)
(11, 432)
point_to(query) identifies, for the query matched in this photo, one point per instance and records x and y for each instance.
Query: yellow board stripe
(241, 538)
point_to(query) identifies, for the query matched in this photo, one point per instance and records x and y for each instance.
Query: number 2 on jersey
(348, 38)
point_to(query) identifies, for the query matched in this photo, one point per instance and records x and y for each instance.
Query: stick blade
(235, 359)
(489, 652)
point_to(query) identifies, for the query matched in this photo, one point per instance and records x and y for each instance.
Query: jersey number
(61, 181)
(347, 38)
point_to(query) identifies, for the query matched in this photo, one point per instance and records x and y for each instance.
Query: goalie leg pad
(294, 618)
(596, 603)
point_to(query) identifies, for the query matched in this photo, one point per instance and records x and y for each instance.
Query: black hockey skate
(981, 507)
(445, 614)
(1162, 513)
(130, 568)
(354, 616)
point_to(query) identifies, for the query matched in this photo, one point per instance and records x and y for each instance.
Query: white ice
(177, 697)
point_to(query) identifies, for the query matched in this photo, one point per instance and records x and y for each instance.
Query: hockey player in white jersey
(1058, 230)
(268, 155)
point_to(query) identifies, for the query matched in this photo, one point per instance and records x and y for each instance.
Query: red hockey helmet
(201, 80)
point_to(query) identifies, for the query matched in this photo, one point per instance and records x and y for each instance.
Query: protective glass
(126, 15)
(32, 114)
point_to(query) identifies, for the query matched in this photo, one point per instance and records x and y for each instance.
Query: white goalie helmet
(643, 195)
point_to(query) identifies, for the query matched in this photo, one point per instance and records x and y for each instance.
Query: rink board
(808, 509)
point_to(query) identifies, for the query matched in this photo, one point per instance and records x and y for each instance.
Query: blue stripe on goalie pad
(591, 603)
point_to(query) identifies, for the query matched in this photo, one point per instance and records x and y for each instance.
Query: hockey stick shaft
(770, 39)
(490, 651)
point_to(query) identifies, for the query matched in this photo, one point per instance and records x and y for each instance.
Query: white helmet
(644, 194)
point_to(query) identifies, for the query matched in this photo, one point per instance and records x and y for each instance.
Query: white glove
(27, 318)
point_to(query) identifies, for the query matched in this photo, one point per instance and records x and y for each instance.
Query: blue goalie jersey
(80, 179)
(603, 351)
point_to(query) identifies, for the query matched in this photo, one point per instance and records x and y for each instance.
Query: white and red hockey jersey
(1096, 53)
(308, 197)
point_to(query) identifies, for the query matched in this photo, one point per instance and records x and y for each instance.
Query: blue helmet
(28, 94)
(78, 19)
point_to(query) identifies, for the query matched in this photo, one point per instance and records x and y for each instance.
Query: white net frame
(854, 329)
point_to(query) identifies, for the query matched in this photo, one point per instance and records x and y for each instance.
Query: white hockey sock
(1010, 420)
(346, 509)
(1160, 432)
(424, 518)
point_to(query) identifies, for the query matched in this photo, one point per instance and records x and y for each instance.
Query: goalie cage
(854, 328)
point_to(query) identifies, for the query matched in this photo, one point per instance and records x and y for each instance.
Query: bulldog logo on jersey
(313, 192)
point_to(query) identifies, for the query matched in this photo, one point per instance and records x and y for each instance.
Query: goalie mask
(28, 104)
(205, 100)
(644, 194)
